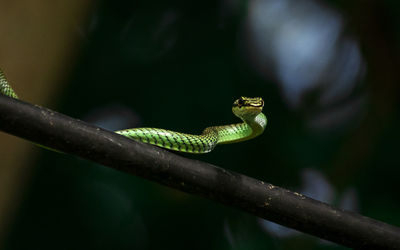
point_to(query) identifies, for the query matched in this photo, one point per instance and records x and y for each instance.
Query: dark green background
(184, 77)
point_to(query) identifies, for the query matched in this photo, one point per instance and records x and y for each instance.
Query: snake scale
(249, 110)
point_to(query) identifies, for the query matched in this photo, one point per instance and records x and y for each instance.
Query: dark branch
(267, 201)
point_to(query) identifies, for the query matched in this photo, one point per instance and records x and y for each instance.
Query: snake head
(247, 106)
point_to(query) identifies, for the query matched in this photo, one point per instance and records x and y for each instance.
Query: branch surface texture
(291, 209)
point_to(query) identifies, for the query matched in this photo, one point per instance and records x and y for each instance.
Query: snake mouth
(257, 105)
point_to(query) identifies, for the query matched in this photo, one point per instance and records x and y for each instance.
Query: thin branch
(265, 200)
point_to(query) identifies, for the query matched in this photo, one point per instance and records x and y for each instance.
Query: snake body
(247, 109)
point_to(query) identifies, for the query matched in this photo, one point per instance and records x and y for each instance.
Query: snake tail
(5, 88)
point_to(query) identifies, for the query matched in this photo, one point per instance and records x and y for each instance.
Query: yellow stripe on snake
(249, 110)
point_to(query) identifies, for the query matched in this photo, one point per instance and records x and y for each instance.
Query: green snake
(249, 110)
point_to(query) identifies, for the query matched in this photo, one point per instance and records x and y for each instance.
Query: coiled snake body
(247, 109)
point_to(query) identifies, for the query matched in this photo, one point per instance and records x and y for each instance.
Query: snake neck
(248, 129)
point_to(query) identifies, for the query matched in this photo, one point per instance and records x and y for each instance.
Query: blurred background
(327, 70)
